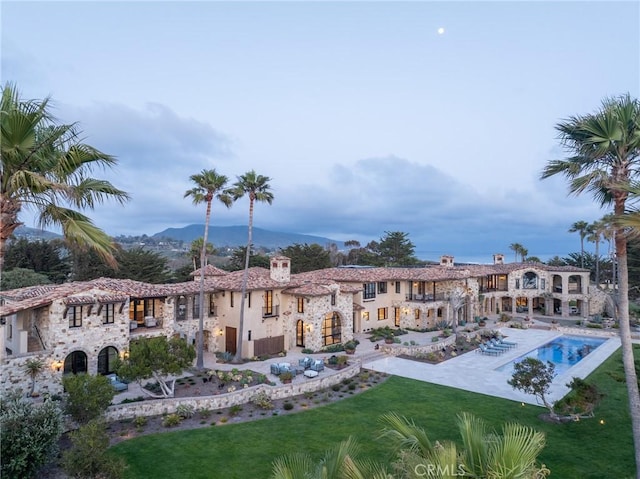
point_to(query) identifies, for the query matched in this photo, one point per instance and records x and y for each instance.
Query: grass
(585, 449)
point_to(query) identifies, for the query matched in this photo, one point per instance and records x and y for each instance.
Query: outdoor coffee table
(310, 373)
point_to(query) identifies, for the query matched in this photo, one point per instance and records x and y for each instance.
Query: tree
(305, 257)
(143, 265)
(33, 367)
(236, 262)
(604, 149)
(40, 256)
(340, 462)
(87, 396)
(519, 250)
(30, 435)
(88, 455)
(21, 278)
(456, 299)
(209, 186)
(158, 358)
(484, 452)
(354, 250)
(258, 189)
(596, 233)
(395, 249)
(582, 228)
(532, 376)
(336, 257)
(47, 167)
(195, 251)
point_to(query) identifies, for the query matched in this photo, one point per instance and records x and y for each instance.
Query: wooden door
(231, 340)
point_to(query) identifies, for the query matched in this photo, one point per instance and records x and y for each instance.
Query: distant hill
(33, 234)
(237, 236)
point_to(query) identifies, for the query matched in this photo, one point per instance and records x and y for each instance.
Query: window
(333, 299)
(248, 299)
(398, 287)
(416, 313)
(108, 313)
(212, 306)
(181, 309)
(383, 313)
(301, 305)
(382, 287)
(149, 307)
(369, 290)
(268, 302)
(231, 298)
(196, 306)
(517, 283)
(396, 313)
(331, 329)
(530, 280)
(365, 315)
(75, 316)
(107, 360)
(543, 283)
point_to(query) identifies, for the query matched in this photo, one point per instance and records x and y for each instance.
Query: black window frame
(369, 291)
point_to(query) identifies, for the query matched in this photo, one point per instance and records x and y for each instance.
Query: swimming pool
(564, 352)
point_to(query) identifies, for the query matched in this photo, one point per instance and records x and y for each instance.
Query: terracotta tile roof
(210, 270)
(78, 300)
(257, 278)
(309, 289)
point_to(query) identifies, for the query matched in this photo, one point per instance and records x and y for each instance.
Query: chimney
(498, 258)
(280, 269)
(446, 260)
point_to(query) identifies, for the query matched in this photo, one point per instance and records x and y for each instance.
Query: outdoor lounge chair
(489, 351)
(501, 342)
(317, 365)
(492, 343)
(305, 362)
(278, 368)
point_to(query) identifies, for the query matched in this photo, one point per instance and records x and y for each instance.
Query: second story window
(212, 305)
(369, 290)
(268, 301)
(382, 287)
(108, 313)
(301, 305)
(333, 299)
(398, 287)
(75, 316)
(196, 306)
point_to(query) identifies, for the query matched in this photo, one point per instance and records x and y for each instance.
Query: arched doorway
(300, 333)
(75, 363)
(106, 360)
(331, 329)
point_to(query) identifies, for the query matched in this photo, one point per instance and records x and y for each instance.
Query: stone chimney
(280, 269)
(498, 258)
(446, 260)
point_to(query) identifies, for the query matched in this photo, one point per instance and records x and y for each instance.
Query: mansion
(84, 326)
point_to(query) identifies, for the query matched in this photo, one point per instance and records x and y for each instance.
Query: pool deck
(476, 372)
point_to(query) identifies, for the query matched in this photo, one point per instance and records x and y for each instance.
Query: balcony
(271, 312)
(425, 298)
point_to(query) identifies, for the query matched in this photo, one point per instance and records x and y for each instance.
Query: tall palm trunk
(245, 276)
(9, 210)
(597, 261)
(200, 342)
(625, 340)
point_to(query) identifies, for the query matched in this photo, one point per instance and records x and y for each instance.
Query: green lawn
(585, 449)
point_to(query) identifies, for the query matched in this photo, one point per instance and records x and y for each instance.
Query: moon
(440, 31)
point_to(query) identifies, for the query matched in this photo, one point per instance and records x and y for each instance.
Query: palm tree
(45, 166)
(582, 228)
(604, 159)
(340, 462)
(195, 251)
(519, 250)
(484, 453)
(258, 189)
(33, 367)
(596, 233)
(209, 185)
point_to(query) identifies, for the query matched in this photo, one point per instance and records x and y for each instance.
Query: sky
(431, 118)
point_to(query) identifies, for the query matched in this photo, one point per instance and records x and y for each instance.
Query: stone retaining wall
(399, 349)
(156, 407)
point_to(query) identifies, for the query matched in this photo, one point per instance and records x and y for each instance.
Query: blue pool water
(563, 352)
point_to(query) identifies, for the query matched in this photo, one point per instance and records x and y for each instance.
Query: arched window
(75, 363)
(106, 360)
(331, 329)
(529, 280)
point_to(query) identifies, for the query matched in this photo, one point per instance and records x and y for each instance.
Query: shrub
(130, 400)
(88, 397)
(307, 351)
(171, 420)
(140, 421)
(287, 406)
(435, 339)
(235, 410)
(333, 348)
(87, 457)
(204, 413)
(185, 411)
(29, 436)
(262, 400)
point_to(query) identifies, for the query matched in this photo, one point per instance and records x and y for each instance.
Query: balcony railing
(425, 298)
(271, 312)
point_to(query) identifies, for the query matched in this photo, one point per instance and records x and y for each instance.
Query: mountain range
(237, 236)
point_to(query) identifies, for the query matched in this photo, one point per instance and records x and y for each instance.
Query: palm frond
(403, 434)
(292, 466)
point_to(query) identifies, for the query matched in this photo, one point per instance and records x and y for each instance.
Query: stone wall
(399, 349)
(167, 406)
